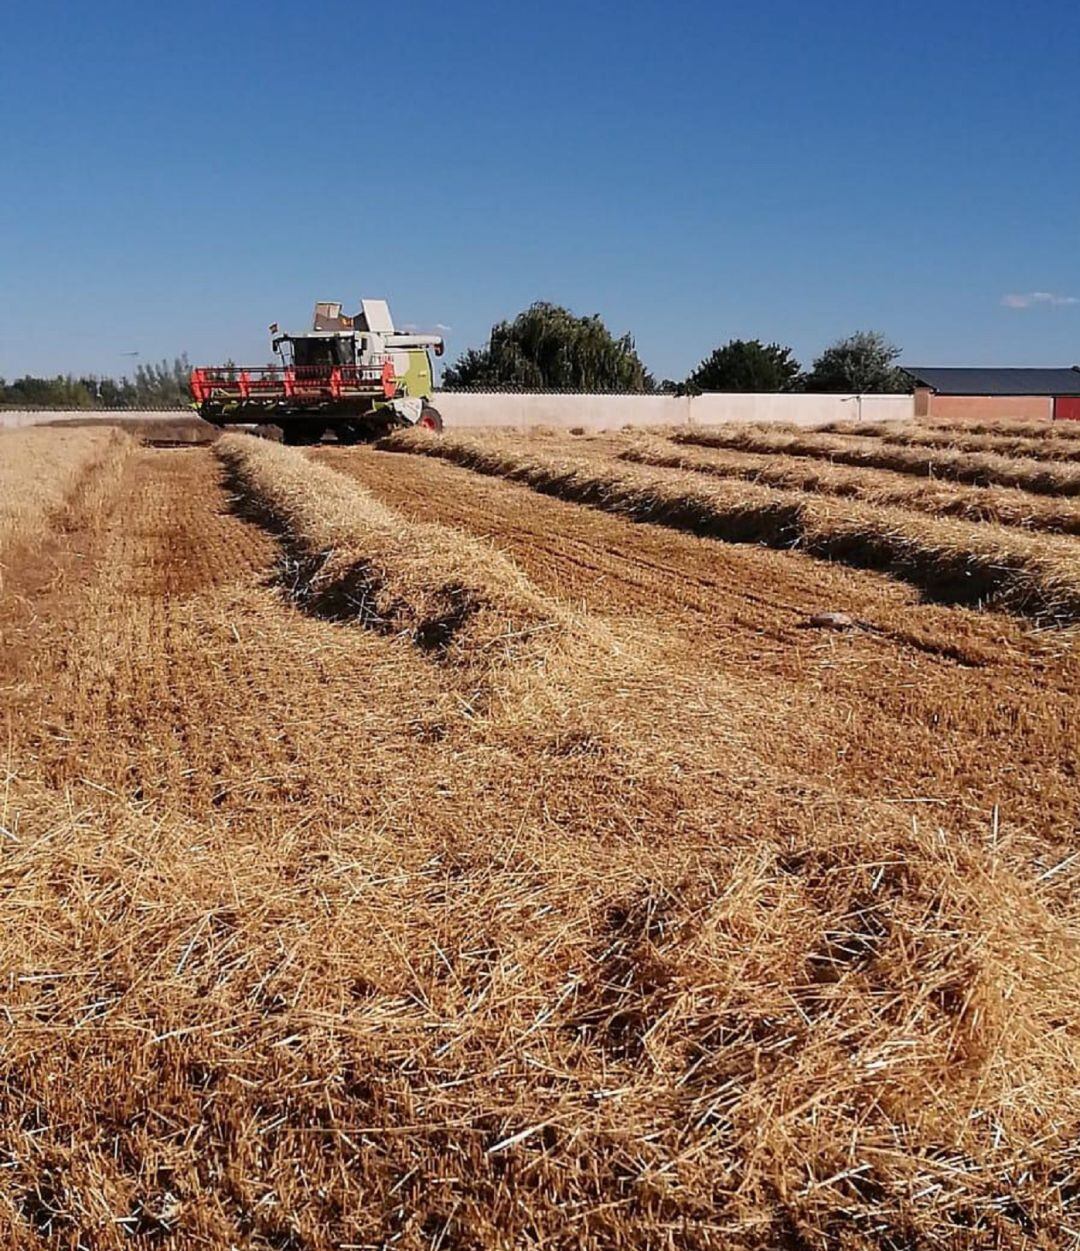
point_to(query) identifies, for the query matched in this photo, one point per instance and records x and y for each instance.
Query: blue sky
(177, 176)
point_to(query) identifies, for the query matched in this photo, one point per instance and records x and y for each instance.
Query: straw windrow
(1036, 428)
(57, 479)
(979, 468)
(1021, 443)
(1004, 505)
(349, 557)
(953, 561)
(848, 1020)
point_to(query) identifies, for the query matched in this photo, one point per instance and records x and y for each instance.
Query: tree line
(163, 385)
(544, 348)
(547, 347)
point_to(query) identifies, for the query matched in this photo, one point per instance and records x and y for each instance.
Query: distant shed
(1052, 394)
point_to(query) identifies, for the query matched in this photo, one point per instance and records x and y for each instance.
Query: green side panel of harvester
(417, 380)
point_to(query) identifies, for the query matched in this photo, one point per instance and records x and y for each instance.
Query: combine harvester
(356, 376)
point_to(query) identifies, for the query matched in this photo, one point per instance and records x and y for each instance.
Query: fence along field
(362, 887)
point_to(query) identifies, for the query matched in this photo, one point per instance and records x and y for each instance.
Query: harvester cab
(354, 375)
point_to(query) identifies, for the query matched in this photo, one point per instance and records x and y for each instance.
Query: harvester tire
(430, 419)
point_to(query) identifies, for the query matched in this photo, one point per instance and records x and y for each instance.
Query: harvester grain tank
(354, 375)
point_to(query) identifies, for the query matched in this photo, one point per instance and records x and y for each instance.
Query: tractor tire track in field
(961, 708)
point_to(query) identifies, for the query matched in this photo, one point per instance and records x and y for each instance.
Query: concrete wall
(611, 412)
(801, 410)
(594, 412)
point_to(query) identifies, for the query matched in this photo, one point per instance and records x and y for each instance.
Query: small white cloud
(443, 329)
(1029, 299)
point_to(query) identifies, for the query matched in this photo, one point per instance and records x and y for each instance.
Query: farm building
(1053, 394)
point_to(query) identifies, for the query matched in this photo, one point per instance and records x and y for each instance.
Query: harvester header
(354, 375)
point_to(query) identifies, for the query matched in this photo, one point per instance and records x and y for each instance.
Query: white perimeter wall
(597, 412)
(610, 412)
(803, 410)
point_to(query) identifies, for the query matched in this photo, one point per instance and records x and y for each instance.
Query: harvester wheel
(430, 419)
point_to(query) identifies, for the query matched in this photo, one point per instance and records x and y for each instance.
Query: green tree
(163, 385)
(63, 391)
(747, 365)
(116, 393)
(863, 362)
(547, 348)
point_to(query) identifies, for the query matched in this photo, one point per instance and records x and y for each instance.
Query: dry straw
(349, 557)
(1018, 427)
(980, 468)
(602, 995)
(1005, 505)
(854, 1032)
(53, 479)
(1064, 445)
(491, 987)
(954, 561)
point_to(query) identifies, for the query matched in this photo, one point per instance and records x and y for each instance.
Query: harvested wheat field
(877, 486)
(507, 841)
(956, 462)
(1047, 441)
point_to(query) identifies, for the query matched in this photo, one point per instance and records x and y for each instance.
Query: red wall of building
(993, 407)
